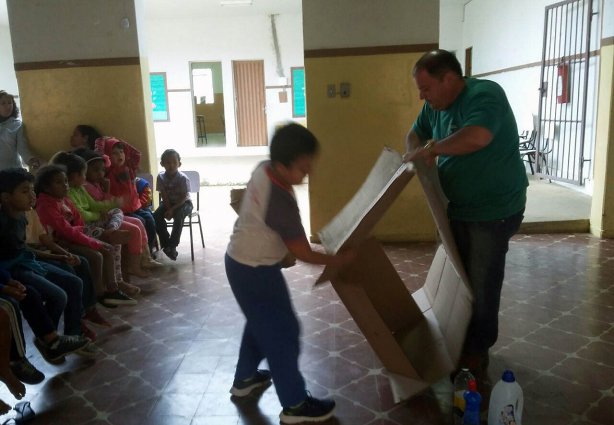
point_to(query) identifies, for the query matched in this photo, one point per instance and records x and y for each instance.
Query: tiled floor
(170, 360)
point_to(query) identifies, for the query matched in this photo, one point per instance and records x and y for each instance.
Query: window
(203, 86)
(298, 92)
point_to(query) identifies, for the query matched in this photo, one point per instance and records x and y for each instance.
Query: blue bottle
(472, 405)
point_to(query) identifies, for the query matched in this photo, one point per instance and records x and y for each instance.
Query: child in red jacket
(124, 163)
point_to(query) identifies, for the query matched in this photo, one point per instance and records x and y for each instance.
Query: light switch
(344, 89)
(331, 90)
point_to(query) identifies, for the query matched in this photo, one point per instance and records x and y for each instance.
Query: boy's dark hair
(437, 63)
(90, 133)
(168, 153)
(45, 174)
(71, 162)
(15, 112)
(10, 178)
(291, 142)
(88, 155)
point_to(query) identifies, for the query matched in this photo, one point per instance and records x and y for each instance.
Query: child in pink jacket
(62, 220)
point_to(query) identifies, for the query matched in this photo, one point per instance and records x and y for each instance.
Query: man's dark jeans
(483, 246)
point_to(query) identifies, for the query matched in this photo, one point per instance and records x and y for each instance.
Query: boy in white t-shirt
(269, 226)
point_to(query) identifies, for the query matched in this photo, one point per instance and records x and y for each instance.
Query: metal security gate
(563, 102)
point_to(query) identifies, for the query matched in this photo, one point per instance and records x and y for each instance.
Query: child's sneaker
(170, 252)
(26, 372)
(87, 331)
(90, 351)
(93, 316)
(242, 388)
(310, 410)
(118, 298)
(128, 288)
(64, 344)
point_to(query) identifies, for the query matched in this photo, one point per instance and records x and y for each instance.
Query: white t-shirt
(268, 216)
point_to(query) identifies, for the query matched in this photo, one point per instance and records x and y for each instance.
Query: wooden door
(250, 103)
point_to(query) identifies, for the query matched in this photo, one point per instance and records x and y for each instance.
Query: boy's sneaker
(64, 344)
(93, 316)
(90, 351)
(310, 410)
(261, 378)
(103, 302)
(118, 298)
(170, 252)
(26, 372)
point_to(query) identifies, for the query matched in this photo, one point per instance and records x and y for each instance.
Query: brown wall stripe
(374, 50)
(77, 63)
(607, 41)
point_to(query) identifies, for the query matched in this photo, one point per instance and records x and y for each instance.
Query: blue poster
(159, 99)
(298, 92)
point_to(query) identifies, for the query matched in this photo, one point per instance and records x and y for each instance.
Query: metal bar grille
(563, 101)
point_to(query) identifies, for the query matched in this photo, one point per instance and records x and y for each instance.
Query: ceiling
(159, 9)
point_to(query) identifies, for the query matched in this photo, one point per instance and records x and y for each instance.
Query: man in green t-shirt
(467, 128)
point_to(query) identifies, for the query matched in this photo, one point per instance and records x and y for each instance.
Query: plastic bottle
(472, 405)
(461, 384)
(506, 401)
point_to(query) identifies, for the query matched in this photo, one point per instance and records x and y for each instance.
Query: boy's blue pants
(272, 329)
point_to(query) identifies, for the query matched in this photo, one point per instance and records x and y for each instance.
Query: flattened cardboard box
(418, 337)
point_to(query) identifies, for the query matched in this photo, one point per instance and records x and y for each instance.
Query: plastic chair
(194, 216)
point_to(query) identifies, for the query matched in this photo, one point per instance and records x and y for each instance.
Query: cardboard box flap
(387, 179)
(438, 203)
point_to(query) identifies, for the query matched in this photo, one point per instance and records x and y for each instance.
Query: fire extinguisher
(562, 84)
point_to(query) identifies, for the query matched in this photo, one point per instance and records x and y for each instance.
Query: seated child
(83, 136)
(38, 238)
(6, 375)
(52, 346)
(175, 203)
(18, 362)
(124, 162)
(145, 193)
(61, 290)
(63, 221)
(97, 187)
(102, 214)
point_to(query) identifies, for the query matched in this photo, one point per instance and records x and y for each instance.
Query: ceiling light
(236, 2)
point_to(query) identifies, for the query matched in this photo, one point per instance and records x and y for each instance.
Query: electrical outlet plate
(344, 89)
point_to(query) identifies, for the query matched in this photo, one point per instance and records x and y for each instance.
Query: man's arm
(464, 141)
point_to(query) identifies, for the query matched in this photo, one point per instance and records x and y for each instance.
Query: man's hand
(426, 153)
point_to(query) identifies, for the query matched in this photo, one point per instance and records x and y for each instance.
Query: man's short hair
(10, 178)
(437, 63)
(291, 142)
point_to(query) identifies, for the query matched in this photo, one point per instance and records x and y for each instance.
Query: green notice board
(159, 96)
(298, 92)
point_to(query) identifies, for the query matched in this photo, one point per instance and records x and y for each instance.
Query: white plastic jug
(506, 401)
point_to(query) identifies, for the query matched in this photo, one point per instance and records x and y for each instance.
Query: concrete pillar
(82, 62)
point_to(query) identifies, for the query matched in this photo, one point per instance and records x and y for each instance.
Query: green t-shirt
(488, 184)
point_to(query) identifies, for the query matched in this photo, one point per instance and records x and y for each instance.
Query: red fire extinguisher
(562, 84)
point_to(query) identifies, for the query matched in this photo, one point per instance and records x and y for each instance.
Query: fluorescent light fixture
(236, 2)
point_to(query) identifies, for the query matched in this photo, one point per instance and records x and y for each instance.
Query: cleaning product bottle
(472, 404)
(506, 401)
(461, 384)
